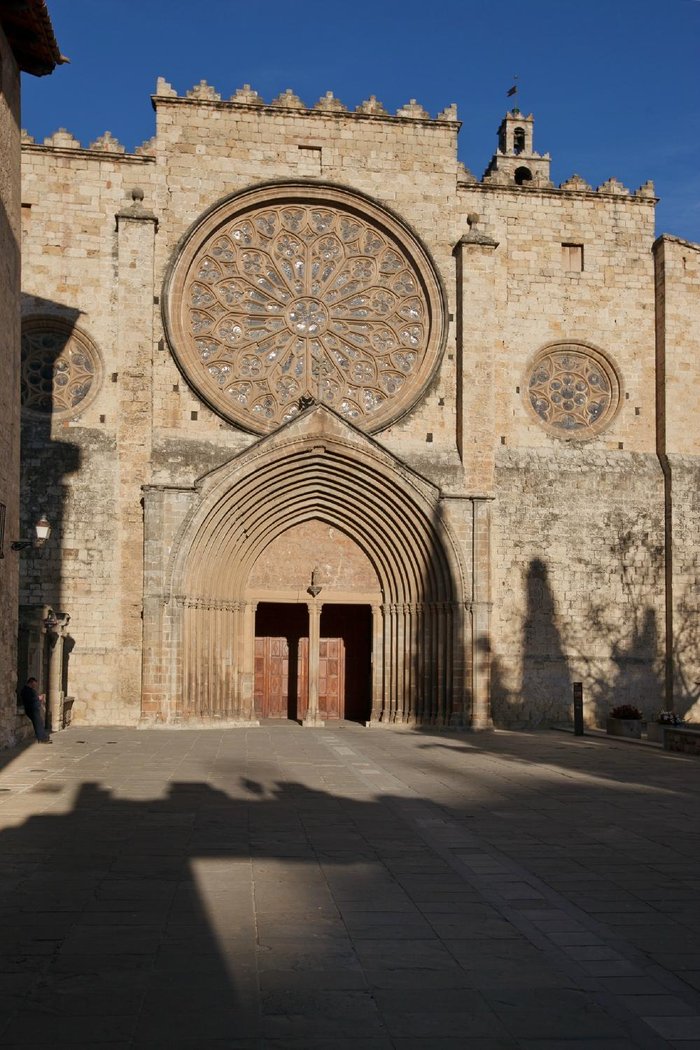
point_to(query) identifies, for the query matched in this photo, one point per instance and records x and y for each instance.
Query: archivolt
(391, 521)
(418, 650)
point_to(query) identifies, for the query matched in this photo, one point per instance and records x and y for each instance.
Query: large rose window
(304, 292)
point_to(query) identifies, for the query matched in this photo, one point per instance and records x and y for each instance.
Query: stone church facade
(328, 428)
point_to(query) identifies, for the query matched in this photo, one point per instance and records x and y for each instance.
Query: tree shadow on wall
(638, 677)
(624, 662)
(686, 655)
(544, 694)
(546, 683)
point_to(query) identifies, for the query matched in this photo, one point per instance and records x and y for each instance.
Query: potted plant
(625, 720)
(655, 729)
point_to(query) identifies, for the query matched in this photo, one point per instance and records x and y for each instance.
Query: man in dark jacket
(32, 709)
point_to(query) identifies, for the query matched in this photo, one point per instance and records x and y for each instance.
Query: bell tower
(515, 161)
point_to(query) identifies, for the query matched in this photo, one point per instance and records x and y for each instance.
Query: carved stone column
(247, 669)
(481, 615)
(377, 663)
(313, 717)
(55, 627)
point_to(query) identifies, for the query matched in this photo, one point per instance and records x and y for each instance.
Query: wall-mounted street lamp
(55, 622)
(42, 531)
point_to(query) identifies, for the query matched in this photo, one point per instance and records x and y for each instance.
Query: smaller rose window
(573, 389)
(60, 368)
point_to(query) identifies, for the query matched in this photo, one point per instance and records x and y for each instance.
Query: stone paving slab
(280, 887)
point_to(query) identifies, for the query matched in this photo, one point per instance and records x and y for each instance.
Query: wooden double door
(282, 662)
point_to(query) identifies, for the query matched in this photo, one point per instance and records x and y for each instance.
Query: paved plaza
(348, 888)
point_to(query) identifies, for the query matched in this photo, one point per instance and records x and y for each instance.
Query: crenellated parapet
(330, 104)
(612, 187)
(62, 139)
(147, 148)
(288, 100)
(465, 176)
(107, 144)
(576, 183)
(515, 165)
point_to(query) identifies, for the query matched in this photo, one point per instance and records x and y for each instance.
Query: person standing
(32, 702)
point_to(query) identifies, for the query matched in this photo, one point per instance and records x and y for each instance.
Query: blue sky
(613, 84)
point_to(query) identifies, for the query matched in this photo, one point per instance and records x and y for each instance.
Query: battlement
(106, 145)
(328, 104)
(514, 165)
(574, 185)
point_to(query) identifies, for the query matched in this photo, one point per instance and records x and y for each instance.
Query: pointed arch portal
(235, 555)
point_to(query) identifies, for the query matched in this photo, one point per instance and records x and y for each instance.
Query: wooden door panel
(259, 687)
(282, 676)
(271, 677)
(303, 678)
(331, 666)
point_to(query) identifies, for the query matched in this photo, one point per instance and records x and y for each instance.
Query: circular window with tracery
(60, 369)
(294, 292)
(573, 390)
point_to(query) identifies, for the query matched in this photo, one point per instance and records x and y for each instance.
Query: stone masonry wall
(536, 301)
(578, 571)
(577, 552)
(74, 467)
(678, 270)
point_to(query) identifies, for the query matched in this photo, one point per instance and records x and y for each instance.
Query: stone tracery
(60, 367)
(302, 298)
(573, 389)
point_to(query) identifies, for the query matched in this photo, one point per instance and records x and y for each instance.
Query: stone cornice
(270, 109)
(84, 151)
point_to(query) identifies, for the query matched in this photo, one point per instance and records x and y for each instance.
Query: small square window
(572, 257)
(310, 160)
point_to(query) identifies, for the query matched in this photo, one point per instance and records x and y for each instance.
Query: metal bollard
(578, 708)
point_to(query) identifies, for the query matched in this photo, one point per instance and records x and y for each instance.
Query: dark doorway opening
(282, 661)
(347, 631)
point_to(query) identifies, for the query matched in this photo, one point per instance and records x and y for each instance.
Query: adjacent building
(27, 44)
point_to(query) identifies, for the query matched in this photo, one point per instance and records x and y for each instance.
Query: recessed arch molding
(200, 611)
